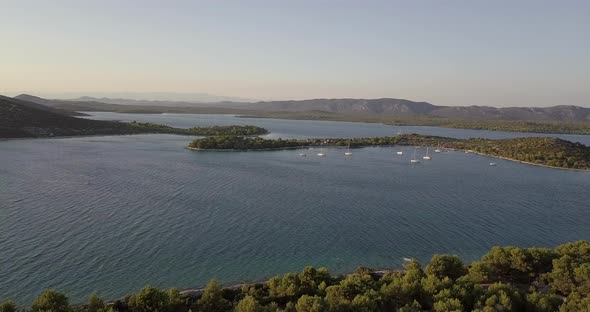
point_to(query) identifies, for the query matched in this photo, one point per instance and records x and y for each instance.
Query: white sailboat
(426, 157)
(348, 153)
(438, 150)
(399, 133)
(321, 153)
(414, 160)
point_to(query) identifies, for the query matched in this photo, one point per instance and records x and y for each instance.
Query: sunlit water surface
(112, 214)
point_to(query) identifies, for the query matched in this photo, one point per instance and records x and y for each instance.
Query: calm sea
(112, 214)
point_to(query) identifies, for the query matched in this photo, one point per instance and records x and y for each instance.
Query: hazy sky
(495, 53)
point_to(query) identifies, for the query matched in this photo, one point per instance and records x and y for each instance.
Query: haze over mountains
(137, 106)
(122, 101)
(105, 97)
(30, 116)
(381, 107)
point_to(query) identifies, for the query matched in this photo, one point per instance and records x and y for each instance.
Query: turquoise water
(112, 214)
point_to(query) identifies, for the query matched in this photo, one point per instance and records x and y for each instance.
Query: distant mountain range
(191, 97)
(138, 106)
(372, 107)
(402, 107)
(30, 116)
(163, 103)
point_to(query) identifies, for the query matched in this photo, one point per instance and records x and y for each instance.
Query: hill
(190, 97)
(385, 107)
(138, 106)
(160, 103)
(401, 107)
(69, 105)
(47, 105)
(553, 113)
(350, 106)
(21, 119)
(556, 119)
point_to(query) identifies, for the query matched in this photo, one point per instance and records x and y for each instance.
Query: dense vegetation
(545, 151)
(232, 142)
(519, 126)
(542, 151)
(578, 127)
(505, 279)
(144, 127)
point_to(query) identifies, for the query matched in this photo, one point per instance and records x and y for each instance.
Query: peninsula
(23, 119)
(544, 151)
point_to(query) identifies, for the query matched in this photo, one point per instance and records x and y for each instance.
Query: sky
(496, 53)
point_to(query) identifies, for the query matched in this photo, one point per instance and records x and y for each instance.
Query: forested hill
(26, 119)
(22, 119)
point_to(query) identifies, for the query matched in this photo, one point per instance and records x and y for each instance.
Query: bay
(112, 214)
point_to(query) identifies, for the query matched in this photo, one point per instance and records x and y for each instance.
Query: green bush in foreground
(504, 279)
(51, 301)
(8, 306)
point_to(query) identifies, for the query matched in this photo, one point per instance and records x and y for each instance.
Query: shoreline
(105, 135)
(369, 121)
(386, 123)
(233, 285)
(198, 291)
(245, 150)
(529, 163)
(336, 146)
(88, 136)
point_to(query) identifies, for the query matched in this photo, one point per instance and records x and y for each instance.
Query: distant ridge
(20, 119)
(24, 119)
(385, 106)
(61, 104)
(147, 107)
(401, 107)
(161, 103)
(128, 97)
(47, 105)
(361, 107)
(189, 97)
